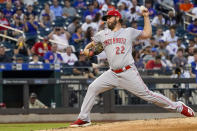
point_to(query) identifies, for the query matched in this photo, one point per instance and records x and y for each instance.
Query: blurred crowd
(56, 31)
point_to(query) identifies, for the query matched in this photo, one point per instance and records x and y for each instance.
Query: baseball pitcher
(117, 44)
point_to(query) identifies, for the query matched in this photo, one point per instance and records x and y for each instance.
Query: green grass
(31, 126)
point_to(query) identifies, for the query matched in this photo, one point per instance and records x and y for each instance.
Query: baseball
(142, 8)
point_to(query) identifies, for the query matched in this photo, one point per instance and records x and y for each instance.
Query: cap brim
(104, 18)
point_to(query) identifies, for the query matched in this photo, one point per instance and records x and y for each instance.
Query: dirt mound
(172, 124)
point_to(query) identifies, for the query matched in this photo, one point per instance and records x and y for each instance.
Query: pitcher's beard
(111, 26)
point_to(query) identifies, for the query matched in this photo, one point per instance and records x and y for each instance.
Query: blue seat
(140, 22)
(59, 21)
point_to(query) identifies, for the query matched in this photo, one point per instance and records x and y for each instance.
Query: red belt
(122, 69)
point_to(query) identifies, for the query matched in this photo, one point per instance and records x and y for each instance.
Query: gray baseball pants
(129, 80)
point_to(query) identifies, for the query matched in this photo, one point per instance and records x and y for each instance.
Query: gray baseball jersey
(118, 45)
(118, 48)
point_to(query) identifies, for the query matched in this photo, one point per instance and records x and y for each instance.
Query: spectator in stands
(190, 57)
(171, 20)
(171, 41)
(159, 34)
(3, 57)
(34, 103)
(47, 10)
(128, 3)
(158, 20)
(108, 5)
(80, 4)
(133, 14)
(40, 48)
(194, 64)
(88, 36)
(69, 57)
(30, 10)
(77, 39)
(152, 12)
(19, 13)
(101, 2)
(8, 11)
(134, 7)
(96, 5)
(103, 11)
(123, 10)
(177, 73)
(56, 8)
(22, 48)
(89, 23)
(18, 3)
(153, 43)
(73, 25)
(30, 2)
(138, 60)
(17, 24)
(162, 48)
(149, 54)
(154, 64)
(35, 59)
(186, 6)
(69, 11)
(192, 28)
(166, 63)
(138, 45)
(82, 66)
(30, 28)
(91, 11)
(135, 26)
(3, 21)
(179, 60)
(61, 36)
(52, 56)
(194, 11)
(192, 43)
(97, 20)
(45, 22)
(180, 43)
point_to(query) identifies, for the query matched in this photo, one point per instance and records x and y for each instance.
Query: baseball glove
(97, 49)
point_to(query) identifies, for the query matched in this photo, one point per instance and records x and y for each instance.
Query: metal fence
(115, 100)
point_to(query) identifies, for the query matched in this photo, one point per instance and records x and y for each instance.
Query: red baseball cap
(111, 13)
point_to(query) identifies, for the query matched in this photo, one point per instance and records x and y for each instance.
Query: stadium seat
(2, 6)
(9, 47)
(140, 22)
(180, 31)
(59, 21)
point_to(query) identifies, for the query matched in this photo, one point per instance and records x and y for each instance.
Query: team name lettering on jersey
(114, 41)
(118, 45)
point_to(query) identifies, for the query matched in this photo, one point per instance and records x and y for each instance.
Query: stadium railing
(116, 100)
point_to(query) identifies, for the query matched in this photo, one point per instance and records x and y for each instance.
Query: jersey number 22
(120, 50)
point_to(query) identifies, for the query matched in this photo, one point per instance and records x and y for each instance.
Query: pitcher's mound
(172, 124)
